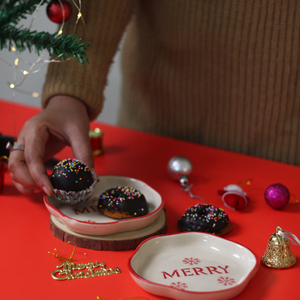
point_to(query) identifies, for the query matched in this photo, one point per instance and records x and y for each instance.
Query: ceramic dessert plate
(86, 219)
(193, 266)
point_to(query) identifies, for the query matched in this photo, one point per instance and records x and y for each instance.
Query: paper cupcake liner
(72, 197)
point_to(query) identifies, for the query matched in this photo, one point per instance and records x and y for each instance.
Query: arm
(64, 122)
(72, 96)
(106, 21)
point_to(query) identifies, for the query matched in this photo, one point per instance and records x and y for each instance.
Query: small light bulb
(12, 86)
(79, 15)
(60, 32)
(16, 61)
(35, 95)
(25, 72)
(13, 48)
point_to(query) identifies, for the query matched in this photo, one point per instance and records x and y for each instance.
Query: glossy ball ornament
(59, 11)
(277, 195)
(179, 165)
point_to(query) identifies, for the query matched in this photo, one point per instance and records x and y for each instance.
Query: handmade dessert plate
(86, 219)
(192, 265)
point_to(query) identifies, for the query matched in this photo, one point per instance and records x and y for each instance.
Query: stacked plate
(84, 219)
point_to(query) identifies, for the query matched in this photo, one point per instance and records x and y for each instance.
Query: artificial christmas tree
(12, 11)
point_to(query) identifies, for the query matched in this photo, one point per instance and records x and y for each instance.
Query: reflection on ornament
(279, 254)
(179, 167)
(277, 195)
(59, 11)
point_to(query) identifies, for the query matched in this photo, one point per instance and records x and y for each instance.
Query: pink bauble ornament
(277, 195)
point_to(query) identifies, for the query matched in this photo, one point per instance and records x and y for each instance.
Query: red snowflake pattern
(226, 281)
(179, 285)
(191, 261)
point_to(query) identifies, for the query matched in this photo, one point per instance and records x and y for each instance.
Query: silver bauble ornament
(179, 165)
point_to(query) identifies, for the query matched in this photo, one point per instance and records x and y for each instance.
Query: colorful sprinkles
(71, 175)
(69, 165)
(125, 199)
(205, 218)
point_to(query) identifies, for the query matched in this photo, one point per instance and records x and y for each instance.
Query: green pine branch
(67, 45)
(22, 39)
(12, 13)
(7, 3)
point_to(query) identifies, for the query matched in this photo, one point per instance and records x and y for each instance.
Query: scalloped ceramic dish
(192, 266)
(85, 217)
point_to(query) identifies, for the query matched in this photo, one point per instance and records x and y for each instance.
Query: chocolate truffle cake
(73, 181)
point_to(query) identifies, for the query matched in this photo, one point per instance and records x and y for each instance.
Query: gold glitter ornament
(279, 254)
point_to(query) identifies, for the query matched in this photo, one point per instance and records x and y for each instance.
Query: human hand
(63, 122)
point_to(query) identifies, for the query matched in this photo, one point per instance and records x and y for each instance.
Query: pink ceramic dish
(86, 219)
(192, 265)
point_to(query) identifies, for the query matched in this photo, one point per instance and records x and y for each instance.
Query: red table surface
(26, 265)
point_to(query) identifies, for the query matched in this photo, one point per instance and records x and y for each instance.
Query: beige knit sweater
(222, 73)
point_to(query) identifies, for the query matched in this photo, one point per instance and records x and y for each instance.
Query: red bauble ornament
(59, 11)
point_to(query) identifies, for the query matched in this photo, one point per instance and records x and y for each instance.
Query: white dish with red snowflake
(86, 219)
(192, 265)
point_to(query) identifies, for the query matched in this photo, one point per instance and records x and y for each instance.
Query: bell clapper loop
(288, 236)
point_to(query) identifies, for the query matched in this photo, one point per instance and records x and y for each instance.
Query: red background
(26, 238)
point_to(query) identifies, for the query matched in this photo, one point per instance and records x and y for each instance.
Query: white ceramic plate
(192, 265)
(85, 217)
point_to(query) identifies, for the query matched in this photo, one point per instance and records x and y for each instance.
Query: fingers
(77, 132)
(23, 189)
(20, 173)
(27, 168)
(64, 122)
(34, 155)
(82, 150)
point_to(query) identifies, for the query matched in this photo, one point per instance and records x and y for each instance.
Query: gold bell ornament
(279, 254)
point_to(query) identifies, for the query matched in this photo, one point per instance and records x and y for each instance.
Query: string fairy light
(18, 64)
(18, 59)
(30, 71)
(14, 86)
(79, 15)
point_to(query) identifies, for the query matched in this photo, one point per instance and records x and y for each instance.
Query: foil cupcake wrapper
(72, 197)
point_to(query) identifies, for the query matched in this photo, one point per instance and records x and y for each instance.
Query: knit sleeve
(105, 21)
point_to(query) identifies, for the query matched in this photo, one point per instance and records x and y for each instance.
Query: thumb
(81, 148)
